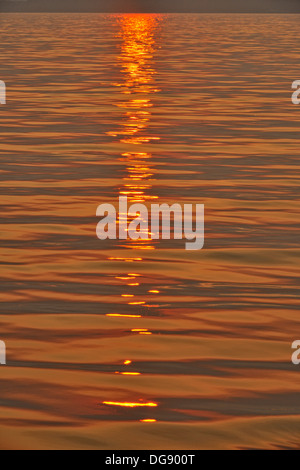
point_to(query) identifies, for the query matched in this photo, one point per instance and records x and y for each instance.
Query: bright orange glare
(121, 315)
(130, 373)
(129, 405)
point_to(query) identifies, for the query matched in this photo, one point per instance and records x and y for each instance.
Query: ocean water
(142, 344)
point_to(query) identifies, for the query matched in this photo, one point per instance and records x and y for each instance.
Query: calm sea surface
(161, 108)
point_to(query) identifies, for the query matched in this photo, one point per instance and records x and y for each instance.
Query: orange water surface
(141, 344)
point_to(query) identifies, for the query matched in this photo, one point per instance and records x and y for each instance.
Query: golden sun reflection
(128, 373)
(137, 65)
(129, 405)
(138, 87)
(122, 315)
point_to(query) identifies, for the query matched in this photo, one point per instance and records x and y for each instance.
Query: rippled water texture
(130, 345)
